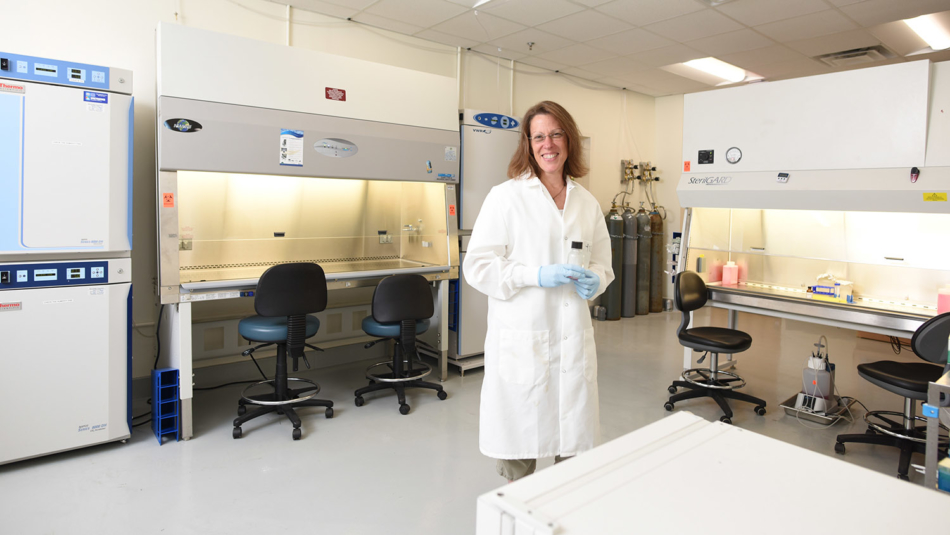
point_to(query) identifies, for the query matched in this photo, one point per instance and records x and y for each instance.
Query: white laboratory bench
(672, 476)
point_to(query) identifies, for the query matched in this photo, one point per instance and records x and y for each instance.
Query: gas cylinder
(643, 262)
(628, 308)
(656, 262)
(612, 296)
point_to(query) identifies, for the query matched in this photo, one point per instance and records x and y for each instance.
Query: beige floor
(371, 470)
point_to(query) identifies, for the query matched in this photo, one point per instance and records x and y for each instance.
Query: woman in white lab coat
(539, 395)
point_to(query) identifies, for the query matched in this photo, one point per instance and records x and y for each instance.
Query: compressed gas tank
(628, 303)
(643, 262)
(612, 296)
(656, 262)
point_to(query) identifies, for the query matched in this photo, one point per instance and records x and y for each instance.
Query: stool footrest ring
(316, 390)
(733, 380)
(423, 370)
(941, 441)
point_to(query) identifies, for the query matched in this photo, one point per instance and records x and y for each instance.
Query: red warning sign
(336, 94)
(451, 209)
(686, 166)
(168, 200)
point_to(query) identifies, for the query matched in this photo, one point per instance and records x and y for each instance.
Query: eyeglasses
(539, 138)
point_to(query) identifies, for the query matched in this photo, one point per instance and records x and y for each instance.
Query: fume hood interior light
(717, 68)
(930, 30)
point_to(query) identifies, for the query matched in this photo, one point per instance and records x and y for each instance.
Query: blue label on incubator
(93, 96)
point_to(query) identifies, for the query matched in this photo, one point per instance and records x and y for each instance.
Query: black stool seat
(912, 376)
(715, 339)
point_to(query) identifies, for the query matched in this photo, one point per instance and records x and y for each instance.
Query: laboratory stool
(910, 380)
(402, 306)
(286, 295)
(689, 294)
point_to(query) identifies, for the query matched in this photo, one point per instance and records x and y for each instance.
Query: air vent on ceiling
(857, 56)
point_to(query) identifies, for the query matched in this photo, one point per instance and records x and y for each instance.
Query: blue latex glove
(587, 284)
(558, 274)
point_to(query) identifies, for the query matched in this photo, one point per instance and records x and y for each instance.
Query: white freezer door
(485, 156)
(63, 369)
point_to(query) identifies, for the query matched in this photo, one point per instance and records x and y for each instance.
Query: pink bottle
(730, 274)
(943, 300)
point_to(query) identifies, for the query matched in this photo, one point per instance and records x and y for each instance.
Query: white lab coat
(539, 395)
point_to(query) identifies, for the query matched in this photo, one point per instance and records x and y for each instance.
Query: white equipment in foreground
(65, 246)
(665, 477)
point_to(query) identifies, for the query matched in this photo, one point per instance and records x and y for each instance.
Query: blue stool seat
(389, 330)
(267, 329)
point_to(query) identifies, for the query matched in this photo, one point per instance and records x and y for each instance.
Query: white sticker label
(97, 291)
(451, 154)
(57, 302)
(291, 147)
(68, 143)
(95, 107)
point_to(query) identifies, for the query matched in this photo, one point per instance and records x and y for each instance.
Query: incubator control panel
(51, 71)
(19, 276)
(495, 120)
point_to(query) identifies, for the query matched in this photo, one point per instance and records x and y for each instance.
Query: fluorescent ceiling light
(931, 31)
(717, 68)
(480, 2)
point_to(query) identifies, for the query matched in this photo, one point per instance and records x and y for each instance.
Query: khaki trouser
(514, 469)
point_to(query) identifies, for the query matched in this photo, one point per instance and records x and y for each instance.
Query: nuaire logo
(481, 130)
(711, 180)
(10, 307)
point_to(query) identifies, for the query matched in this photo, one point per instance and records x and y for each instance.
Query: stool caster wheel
(671, 389)
(329, 412)
(297, 433)
(442, 394)
(839, 448)
(760, 410)
(236, 432)
(359, 401)
(668, 406)
(404, 409)
(241, 410)
(726, 420)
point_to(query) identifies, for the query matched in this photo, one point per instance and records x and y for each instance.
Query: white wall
(120, 33)
(669, 162)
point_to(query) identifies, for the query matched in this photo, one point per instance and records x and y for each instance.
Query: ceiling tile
(836, 42)
(591, 3)
(729, 43)
(630, 42)
(465, 3)
(898, 37)
(324, 8)
(575, 55)
(387, 24)
(807, 26)
(756, 12)
(531, 12)
(542, 63)
(840, 3)
(667, 55)
(543, 41)
(664, 82)
(643, 12)
(752, 59)
(446, 39)
(695, 26)
(580, 73)
(585, 25)
(615, 66)
(423, 13)
(481, 27)
(498, 52)
(793, 69)
(353, 4)
(874, 12)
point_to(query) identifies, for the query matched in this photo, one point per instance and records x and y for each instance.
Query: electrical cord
(895, 344)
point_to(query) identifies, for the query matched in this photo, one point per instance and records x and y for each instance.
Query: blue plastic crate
(165, 404)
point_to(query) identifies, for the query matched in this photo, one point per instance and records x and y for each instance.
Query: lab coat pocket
(523, 356)
(590, 355)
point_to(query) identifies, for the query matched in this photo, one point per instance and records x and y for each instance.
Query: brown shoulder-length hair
(523, 159)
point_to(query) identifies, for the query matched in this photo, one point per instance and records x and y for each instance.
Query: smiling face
(550, 153)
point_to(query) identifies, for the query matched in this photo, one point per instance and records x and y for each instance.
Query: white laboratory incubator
(488, 142)
(65, 246)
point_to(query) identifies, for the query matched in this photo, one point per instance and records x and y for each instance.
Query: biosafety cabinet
(312, 157)
(840, 178)
(65, 244)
